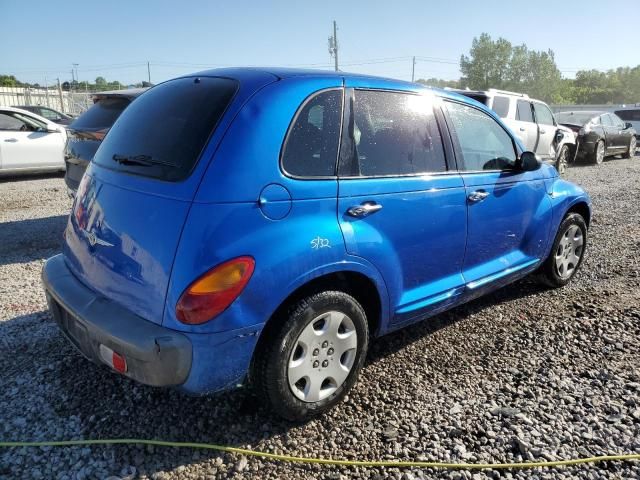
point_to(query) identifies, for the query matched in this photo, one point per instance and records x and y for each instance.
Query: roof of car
(241, 73)
(246, 73)
(629, 107)
(593, 113)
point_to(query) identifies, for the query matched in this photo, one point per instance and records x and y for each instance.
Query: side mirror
(528, 162)
(628, 125)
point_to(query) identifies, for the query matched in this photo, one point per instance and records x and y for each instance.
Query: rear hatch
(85, 134)
(132, 203)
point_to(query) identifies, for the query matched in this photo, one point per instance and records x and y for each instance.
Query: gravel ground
(522, 374)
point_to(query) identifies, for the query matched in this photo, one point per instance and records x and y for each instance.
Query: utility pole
(46, 91)
(149, 72)
(413, 69)
(60, 94)
(333, 45)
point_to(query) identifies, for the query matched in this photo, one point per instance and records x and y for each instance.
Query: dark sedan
(85, 134)
(49, 113)
(599, 134)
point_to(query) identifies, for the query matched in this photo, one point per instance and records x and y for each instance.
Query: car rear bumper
(155, 355)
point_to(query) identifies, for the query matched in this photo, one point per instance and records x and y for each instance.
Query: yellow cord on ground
(325, 461)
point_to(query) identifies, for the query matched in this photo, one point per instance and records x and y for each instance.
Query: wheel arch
(366, 289)
(581, 207)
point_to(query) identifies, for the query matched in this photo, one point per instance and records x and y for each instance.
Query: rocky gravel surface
(523, 374)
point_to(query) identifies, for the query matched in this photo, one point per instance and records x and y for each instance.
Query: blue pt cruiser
(262, 225)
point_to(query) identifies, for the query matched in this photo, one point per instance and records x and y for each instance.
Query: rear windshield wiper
(143, 160)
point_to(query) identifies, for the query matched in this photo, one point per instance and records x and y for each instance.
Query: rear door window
(501, 106)
(523, 112)
(395, 134)
(162, 133)
(311, 147)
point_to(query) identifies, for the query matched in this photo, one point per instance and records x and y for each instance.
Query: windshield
(162, 133)
(575, 118)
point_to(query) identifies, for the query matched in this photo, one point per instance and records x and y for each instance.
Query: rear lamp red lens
(213, 292)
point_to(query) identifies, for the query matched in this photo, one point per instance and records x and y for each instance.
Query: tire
(295, 366)
(597, 157)
(568, 250)
(562, 162)
(632, 149)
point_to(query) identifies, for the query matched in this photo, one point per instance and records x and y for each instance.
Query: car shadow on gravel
(35, 176)
(392, 343)
(23, 241)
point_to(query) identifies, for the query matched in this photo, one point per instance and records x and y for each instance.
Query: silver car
(533, 123)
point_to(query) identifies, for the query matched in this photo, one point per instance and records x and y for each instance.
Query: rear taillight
(214, 291)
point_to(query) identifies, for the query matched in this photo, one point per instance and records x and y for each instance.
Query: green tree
(8, 81)
(101, 82)
(498, 64)
(487, 64)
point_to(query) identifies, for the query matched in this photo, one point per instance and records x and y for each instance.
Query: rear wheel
(598, 153)
(307, 364)
(563, 160)
(632, 148)
(567, 252)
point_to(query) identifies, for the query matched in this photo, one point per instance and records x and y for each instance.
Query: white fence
(67, 102)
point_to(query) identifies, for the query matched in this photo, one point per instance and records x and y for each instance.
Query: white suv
(532, 122)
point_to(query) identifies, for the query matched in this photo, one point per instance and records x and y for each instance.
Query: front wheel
(567, 252)
(632, 148)
(306, 365)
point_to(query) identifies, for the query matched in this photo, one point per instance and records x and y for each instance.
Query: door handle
(477, 196)
(522, 129)
(11, 140)
(542, 132)
(363, 210)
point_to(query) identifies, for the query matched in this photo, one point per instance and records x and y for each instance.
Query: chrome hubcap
(600, 152)
(569, 251)
(322, 356)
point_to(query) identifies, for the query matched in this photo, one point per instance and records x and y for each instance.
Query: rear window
(101, 115)
(162, 133)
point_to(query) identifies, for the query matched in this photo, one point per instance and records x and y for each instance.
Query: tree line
(502, 65)
(100, 84)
